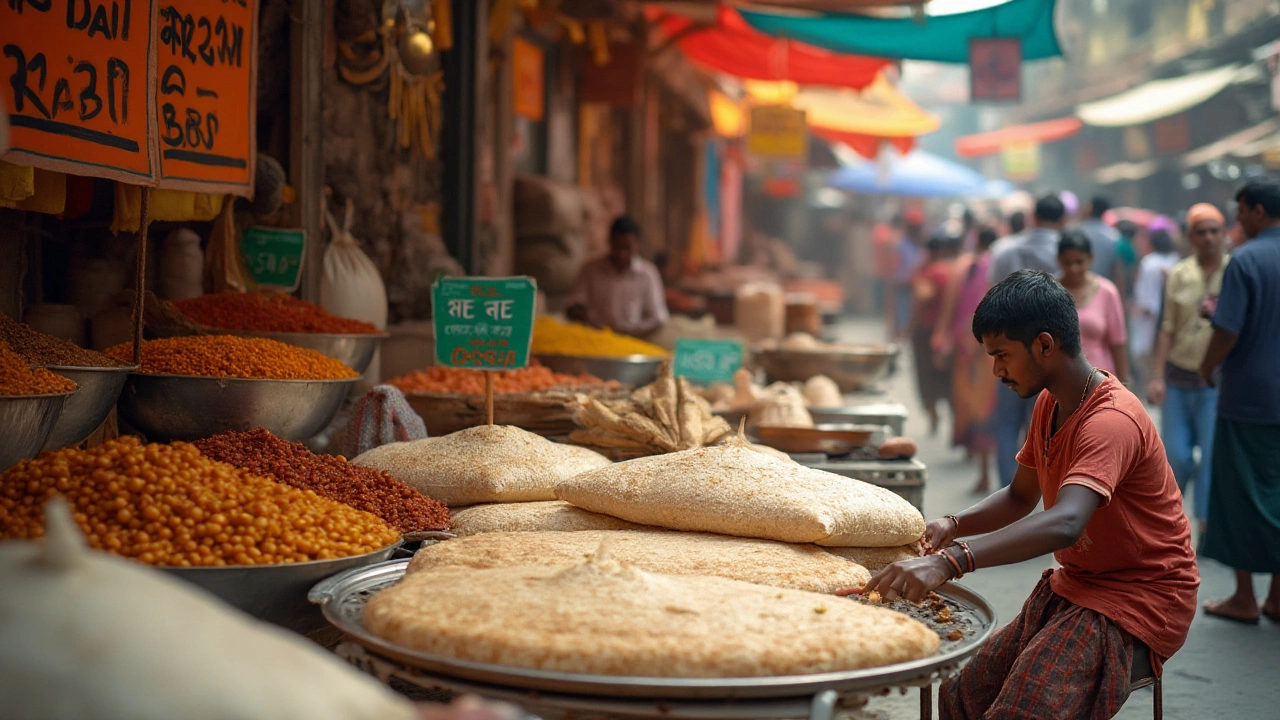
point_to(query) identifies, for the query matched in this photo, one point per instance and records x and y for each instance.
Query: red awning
(733, 47)
(868, 146)
(988, 143)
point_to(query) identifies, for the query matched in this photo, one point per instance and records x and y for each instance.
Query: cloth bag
(351, 286)
(382, 416)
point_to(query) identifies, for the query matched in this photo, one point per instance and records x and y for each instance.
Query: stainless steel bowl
(25, 424)
(630, 370)
(853, 368)
(353, 350)
(99, 389)
(277, 593)
(186, 407)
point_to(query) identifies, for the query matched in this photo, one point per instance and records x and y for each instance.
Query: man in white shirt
(621, 291)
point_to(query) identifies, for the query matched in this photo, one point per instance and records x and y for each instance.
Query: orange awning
(988, 143)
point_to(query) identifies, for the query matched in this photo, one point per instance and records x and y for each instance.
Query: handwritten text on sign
(205, 93)
(74, 76)
(483, 323)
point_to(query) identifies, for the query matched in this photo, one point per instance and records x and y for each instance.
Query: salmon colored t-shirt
(1134, 562)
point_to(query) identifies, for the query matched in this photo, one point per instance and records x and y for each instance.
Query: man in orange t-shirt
(1113, 518)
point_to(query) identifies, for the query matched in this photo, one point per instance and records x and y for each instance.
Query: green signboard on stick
(274, 256)
(708, 361)
(483, 323)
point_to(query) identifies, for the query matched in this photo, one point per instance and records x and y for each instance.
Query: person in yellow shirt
(1189, 405)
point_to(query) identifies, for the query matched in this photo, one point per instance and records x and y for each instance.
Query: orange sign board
(530, 79)
(206, 94)
(74, 76)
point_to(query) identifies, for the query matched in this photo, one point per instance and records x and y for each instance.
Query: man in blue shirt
(1244, 499)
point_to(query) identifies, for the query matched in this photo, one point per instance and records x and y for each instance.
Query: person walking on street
(929, 286)
(1148, 298)
(1036, 249)
(1189, 406)
(1244, 494)
(1103, 334)
(1103, 238)
(1127, 581)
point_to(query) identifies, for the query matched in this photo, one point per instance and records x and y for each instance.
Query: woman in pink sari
(973, 387)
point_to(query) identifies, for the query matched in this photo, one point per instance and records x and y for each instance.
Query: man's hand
(1206, 373)
(911, 579)
(1156, 391)
(939, 534)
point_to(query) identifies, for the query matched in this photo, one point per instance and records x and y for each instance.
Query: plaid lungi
(1055, 660)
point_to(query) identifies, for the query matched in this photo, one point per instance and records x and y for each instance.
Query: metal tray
(342, 599)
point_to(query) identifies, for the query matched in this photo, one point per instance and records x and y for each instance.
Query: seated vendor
(621, 291)
(1126, 589)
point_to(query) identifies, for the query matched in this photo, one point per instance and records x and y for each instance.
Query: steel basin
(853, 368)
(25, 424)
(630, 370)
(186, 407)
(83, 412)
(353, 350)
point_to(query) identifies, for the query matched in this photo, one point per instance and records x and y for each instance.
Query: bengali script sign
(483, 323)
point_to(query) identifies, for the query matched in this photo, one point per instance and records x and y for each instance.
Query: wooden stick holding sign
(483, 324)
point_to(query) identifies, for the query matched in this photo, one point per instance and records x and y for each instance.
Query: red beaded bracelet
(954, 563)
(968, 554)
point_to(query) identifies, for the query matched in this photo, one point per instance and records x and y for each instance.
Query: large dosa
(606, 617)
(483, 464)
(799, 567)
(733, 490)
(532, 517)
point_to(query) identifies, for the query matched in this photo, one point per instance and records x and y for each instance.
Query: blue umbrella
(916, 174)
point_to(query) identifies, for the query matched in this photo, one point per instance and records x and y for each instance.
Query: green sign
(708, 361)
(274, 256)
(483, 323)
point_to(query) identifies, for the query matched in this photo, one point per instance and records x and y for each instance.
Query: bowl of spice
(576, 349)
(30, 401)
(201, 385)
(257, 543)
(99, 377)
(287, 319)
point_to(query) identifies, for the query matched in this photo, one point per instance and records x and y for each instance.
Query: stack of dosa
(553, 515)
(734, 490)
(876, 559)
(606, 617)
(800, 567)
(484, 464)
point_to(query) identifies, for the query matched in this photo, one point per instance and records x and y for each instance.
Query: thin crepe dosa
(551, 515)
(799, 567)
(606, 617)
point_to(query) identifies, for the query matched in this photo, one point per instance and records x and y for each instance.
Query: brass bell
(417, 51)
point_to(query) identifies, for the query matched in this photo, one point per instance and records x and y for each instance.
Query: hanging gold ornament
(416, 85)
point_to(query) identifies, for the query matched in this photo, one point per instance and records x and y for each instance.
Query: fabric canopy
(880, 110)
(1232, 144)
(868, 146)
(988, 143)
(942, 38)
(916, 174)
(1158, 98)
(733, 47)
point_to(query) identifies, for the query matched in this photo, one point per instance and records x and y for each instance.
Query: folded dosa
(800, 567)
(532, 517)
(607, 617)
(733, 490)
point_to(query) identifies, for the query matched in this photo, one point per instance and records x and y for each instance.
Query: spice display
(534, 378)
(666, 416)
(268, 312)
(170, 505)
(17, 378)
(234, 357)
(373, 491)
(40, 349)
(552, 337)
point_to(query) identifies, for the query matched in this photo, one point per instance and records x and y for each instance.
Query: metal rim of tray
(342, 599)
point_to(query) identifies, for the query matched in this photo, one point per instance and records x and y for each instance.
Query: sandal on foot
(1210, 608)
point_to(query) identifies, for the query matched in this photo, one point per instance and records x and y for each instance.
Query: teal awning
(943, 38)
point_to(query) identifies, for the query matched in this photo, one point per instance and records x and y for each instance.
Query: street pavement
(1225, 670)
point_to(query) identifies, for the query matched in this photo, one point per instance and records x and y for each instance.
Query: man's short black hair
(624, 225)
(1017, 222)
(1075, 239)
(1161, 242)
(1050, 208)
(1099, 205)
(1026, 304)
(1127, 228)
(1264, 192)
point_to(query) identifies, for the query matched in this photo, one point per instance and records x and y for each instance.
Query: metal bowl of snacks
(353, 350)
(277, 593)
(852, 367)
(99, 389)
(25, 424)
(188, 407)
(630, 370)
(828, 439)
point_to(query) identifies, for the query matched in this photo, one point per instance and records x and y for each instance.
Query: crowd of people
(1164, 307)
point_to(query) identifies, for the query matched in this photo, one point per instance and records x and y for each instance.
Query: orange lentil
(17, 378)
(471, 382)
(268, 312)
(234, 357)
(188, 511)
